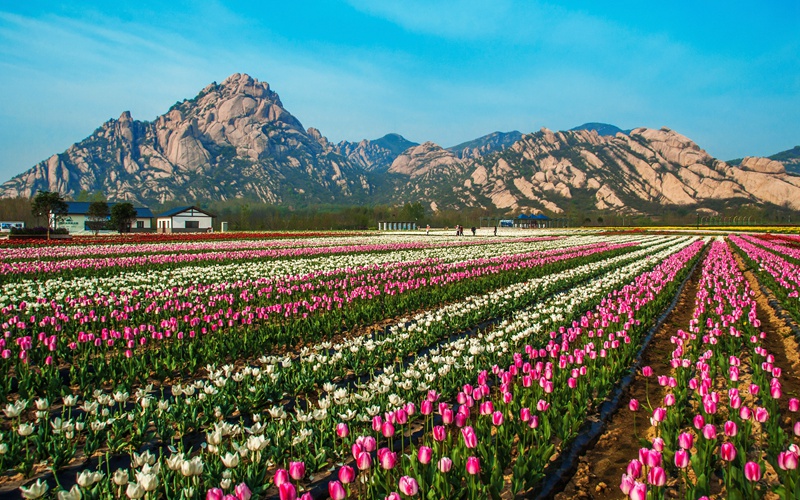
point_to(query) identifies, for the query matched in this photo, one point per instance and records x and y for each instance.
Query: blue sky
(725, 74)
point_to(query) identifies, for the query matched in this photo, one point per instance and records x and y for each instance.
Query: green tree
(98, 216)
(51, 205)
(122, 215)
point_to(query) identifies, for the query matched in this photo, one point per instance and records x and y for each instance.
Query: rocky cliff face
(236, 140)
(232, 140)
(553, 171)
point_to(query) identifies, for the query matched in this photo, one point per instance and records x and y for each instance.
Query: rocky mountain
(376, 155)
(601, 128)
(557, 171)
(233, 140)
(482, 146)
(236, 140)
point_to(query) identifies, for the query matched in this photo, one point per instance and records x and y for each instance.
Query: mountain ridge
(236, 140)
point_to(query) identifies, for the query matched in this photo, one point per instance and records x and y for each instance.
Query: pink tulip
(377, 423)
(633, 405)
(647, 371)
(709, 431)
(408, 486)
(727, 452)
(752, 471)
(656, 476)
(470, 438)
(634, 468)
(387, 429)
(439, 433)
(787, 460)
(686, 440)
(347, 474)
(281, 476)
(363, 461)
(761, 414)
(306, 496)
(797, 428)
(639, 491)
(336, 490)
(287, 491)
(473, 466)
(497, 418)
(447, 416)
(297, 470)
(461, 419)
(659, 414)
(754, 389)
(525, 414)
(730, 428)
(669, 399)
(215, 494)
(242, 492)
(445, 464)
(626, 484)
(542, 405)
(424, 455)
(426, 407)
(402, 416)
(342, 430)
(681, 459)
(794, 404)
(699, 422)
(393, 496)
(388, 460)
(745, 413)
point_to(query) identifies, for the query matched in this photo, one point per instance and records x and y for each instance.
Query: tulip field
(393, 366)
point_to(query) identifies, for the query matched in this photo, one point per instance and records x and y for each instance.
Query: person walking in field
(495, 230)
(427, 230)
(473, 230)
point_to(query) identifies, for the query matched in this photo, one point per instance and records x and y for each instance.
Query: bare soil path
(600, 469)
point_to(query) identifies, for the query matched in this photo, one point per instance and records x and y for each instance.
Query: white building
(184, 220)
(76, 220)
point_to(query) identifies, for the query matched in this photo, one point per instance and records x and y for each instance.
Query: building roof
(533, 217)
(178, 210)
(82, 208)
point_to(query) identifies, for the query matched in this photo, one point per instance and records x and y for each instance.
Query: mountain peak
(605, 129)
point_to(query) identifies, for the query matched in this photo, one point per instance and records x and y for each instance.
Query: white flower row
(59, 288)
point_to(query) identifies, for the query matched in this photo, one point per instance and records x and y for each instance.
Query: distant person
(427, 230)
(473, 230)
(495, 230)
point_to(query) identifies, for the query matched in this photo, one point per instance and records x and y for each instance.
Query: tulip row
(189, 405)
(281, 374)
(13, 271)
(33, 292)
(533, 406)
(720, 354)
(125, 342)
(781, 275)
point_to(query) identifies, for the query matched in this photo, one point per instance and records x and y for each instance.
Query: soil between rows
(600, 469)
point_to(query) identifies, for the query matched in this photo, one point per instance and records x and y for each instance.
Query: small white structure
(184, 220)
(76, 220)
